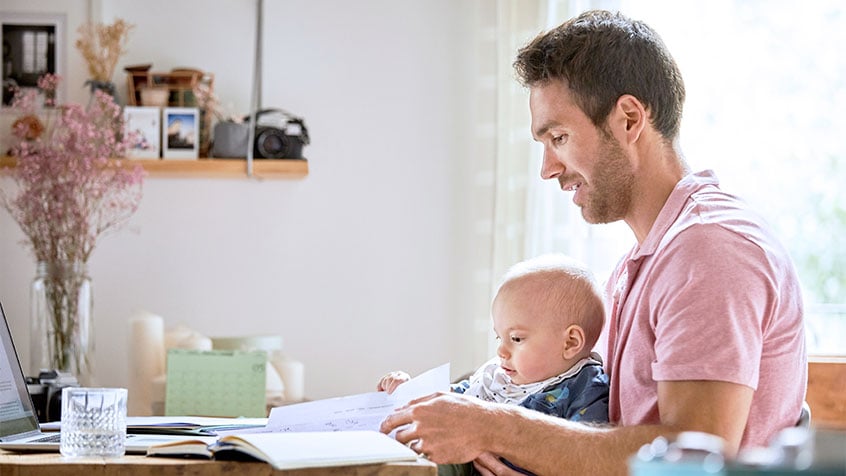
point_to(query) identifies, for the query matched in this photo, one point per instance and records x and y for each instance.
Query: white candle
(158, 391)
(146, 360)
(293, 377)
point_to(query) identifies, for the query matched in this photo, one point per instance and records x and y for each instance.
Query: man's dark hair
(602, 56)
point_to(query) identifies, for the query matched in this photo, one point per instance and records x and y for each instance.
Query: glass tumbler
(93, 422)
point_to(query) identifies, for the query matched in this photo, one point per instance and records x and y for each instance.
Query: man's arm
(719, 408)
(455, 428)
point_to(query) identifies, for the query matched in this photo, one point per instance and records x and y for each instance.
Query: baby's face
(531, 341)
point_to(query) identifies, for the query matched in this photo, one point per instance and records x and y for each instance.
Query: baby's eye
(516, 339)
(498, 338)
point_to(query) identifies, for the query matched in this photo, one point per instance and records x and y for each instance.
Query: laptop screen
(17, 414)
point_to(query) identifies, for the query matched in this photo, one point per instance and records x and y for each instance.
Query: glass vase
(62, 335)
(107, 87)
(50, 98)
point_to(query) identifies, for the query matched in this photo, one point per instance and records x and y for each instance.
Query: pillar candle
(146, 360)
(293, 377)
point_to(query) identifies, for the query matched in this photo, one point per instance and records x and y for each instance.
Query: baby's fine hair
(565, 285)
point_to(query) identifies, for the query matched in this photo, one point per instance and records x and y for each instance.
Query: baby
(547, 316)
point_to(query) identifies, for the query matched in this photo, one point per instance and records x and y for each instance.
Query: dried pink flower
(28, 127)
(49, 83)
(67, 190)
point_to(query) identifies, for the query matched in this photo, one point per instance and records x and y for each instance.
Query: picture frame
(145, 123)
(33, 45)
(180, 133)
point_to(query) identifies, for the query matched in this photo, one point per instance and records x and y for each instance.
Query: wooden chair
(827, 391)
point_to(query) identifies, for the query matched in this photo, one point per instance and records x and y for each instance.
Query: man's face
(584, 158)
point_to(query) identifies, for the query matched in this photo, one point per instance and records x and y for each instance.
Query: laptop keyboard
(57, 438)
(54, 438)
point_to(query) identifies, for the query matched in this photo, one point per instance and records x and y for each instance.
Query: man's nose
(552, 167)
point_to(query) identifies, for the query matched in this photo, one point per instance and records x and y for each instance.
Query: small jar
(691, 453)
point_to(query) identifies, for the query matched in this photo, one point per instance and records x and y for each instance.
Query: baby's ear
(574, 341)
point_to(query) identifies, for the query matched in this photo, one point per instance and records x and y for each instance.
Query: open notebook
(297, 450)
(19, 428)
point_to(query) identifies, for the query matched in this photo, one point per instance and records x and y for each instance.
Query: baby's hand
(391, 381)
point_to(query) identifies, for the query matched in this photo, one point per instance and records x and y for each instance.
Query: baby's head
(547, 315)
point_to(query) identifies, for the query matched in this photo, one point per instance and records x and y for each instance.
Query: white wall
(362, 266)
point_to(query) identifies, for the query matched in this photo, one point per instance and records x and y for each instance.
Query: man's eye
(558, 140)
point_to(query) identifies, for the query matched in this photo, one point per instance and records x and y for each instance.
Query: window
(31, 47)
(35, 52)
(766, 87)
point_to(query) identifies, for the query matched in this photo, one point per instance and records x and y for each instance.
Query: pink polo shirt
(711, 294)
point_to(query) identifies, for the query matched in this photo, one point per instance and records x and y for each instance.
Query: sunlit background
(766, 87)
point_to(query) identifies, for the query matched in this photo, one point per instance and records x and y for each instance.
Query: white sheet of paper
(355, 412)
(173, 421)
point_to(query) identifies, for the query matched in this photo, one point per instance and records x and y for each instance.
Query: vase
(107, 87)
(50, 98)
(61, 334)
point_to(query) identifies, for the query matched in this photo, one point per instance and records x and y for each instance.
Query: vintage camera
(286, 143)
(46, 393)
(278, 135)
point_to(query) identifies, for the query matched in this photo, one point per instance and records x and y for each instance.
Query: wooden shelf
(212, 168)
(225, 168)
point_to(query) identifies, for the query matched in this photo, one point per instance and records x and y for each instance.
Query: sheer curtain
(764, 84)
(532, 216)
(517, 22)
(553, 222)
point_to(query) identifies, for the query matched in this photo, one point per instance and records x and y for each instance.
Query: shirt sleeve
(712, 291)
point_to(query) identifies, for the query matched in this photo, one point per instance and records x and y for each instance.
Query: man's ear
(630, 117)
(574, 341)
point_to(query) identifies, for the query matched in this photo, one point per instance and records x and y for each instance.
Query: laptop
(19, 428)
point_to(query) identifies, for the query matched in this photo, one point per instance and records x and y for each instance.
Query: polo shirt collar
(674, 205)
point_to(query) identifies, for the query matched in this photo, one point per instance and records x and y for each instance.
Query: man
(705, 312)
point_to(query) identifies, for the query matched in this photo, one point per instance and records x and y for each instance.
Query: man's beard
(611, 185)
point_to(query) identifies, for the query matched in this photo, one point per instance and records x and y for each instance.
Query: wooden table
(14, 464)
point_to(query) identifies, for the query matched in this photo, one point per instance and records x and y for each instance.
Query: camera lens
(271, 144)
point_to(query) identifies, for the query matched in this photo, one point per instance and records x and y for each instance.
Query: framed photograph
(145, 124)
(180, 132)
(33, 45)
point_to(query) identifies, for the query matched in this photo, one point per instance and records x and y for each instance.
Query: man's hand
(446, 427)
(489, 464)
(456, 428)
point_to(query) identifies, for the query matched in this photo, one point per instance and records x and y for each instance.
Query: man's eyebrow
(542, 130)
